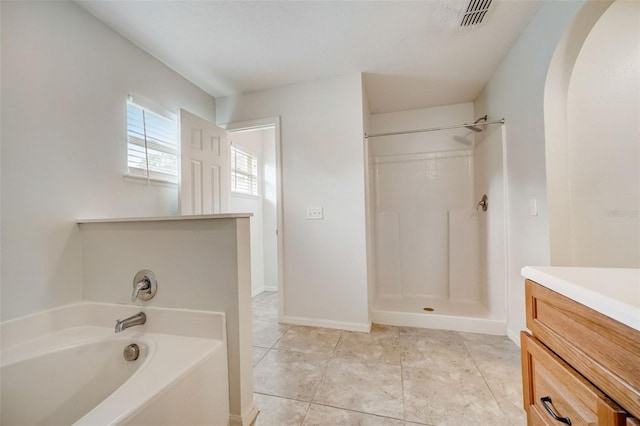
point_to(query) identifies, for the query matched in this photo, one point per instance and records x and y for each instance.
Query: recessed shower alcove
(438, 254)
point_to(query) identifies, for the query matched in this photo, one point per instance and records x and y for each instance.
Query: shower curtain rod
(432, 129)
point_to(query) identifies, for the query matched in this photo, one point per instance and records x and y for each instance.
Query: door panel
(204, 166)
(215, 188)
(196, 187)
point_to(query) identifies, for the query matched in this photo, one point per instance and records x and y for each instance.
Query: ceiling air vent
(475, 12)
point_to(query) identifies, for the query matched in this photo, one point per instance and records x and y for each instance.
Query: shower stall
(436, 220)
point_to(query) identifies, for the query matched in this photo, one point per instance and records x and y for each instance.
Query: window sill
(152, 181)
(243, 195)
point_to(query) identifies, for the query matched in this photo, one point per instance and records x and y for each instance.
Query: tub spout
(137, 319)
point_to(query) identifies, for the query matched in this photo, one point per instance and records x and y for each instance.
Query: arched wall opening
(592, 133)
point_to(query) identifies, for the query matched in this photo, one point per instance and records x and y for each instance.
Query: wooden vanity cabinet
(554, 388)
(580, 367)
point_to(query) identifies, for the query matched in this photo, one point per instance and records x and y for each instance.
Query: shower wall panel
(464, 247)
(414, 194)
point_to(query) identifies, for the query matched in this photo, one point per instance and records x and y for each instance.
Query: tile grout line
(290, 399)
(401, 348)
(324, 372)
(484, 379)
(263, 355)
(279, 338)
(366, 362)
(306, 413)
(364, 412)
(282, 397)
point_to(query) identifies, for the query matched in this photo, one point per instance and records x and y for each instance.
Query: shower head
(463, 140)
(473, 126)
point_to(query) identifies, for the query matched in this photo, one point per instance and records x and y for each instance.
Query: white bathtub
(65, 366)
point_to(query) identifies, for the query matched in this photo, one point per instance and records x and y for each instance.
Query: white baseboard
(514, 336)
(246, 419)
(338, 325)
(441, 322)
(257, 291)
(270, 288)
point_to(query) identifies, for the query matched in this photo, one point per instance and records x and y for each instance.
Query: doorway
(256, 188)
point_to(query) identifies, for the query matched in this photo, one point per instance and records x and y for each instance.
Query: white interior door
(204, 166)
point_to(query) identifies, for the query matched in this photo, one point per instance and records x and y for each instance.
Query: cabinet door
(555, 394)
(605, 351)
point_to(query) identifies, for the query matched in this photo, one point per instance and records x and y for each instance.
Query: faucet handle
(145, 286)
(484, 203)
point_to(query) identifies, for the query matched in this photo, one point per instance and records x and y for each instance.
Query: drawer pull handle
(546, 403)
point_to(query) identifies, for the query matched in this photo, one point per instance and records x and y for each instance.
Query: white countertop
(613, 292)
(167, 218)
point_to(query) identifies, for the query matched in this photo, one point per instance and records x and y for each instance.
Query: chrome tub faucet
(137, 319)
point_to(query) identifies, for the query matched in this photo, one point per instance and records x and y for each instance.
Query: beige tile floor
(393, 376)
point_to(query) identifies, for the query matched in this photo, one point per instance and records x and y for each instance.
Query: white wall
(555, 120)
(325, 271)
(65, 78)
(370, 201)
(603, 111)
(515, 92)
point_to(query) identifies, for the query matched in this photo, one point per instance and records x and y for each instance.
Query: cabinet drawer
(551, 387)
(603, 350)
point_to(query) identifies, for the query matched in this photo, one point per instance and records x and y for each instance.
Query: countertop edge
(167, 218)
(614, 309)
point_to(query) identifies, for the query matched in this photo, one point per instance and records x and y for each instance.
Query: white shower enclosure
(430, 244)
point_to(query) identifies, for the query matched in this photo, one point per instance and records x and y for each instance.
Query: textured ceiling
(412, 53)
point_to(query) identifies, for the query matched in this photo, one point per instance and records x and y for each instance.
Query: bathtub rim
(150, 380)
(161, 320)
(65, 340)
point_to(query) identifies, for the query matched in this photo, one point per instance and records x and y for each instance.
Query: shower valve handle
(484, 203)
(145, 286)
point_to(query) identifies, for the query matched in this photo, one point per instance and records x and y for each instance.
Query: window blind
(152, 136)
(244, 172)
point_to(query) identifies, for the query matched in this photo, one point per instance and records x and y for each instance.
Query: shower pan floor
(408, 311)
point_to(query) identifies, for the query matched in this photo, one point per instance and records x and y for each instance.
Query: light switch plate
(314, 213)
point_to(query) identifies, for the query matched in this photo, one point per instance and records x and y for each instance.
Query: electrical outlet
(314, 213)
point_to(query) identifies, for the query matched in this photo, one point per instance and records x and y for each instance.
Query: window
(152, 143)
(244, 172)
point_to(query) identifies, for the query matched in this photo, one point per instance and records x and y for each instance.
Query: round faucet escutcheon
(145, 286)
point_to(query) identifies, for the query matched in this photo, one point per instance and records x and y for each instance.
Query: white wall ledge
(167, 218)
